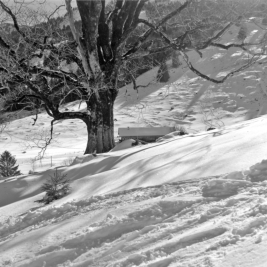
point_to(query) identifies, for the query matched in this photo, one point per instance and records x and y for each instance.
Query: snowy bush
(7, 165)
(181, 130)
(56, 187)
(69, 161)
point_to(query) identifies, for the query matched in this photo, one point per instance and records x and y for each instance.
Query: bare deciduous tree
(42, 64)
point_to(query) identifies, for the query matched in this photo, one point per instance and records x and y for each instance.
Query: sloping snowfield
(198, 200)
(137, 219)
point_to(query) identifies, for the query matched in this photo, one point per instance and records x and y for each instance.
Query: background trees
(43, 66)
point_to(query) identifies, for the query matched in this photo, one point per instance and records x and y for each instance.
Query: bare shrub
(33, 165)
(212, 117)
(68, 161)
(41, 140)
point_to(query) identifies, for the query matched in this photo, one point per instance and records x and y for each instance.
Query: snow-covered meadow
(184, 201)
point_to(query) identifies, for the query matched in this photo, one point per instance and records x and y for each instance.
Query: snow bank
(223, 187)
(123, 145)
(258, 172)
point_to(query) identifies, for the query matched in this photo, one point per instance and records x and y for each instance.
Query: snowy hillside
(165, 204)
(186, 100)
(197, 200)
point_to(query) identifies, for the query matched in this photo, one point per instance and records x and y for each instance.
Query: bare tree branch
(48, 18)
(152, 28)
(231, 73)
(25, 96)
(41, 140)
(15, 22)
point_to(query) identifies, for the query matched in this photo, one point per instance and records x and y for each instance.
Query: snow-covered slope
(186, 100)
(150, 217)
(186, 201)
(177, 103)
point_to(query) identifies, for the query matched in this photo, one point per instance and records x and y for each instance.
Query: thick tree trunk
(100, 123)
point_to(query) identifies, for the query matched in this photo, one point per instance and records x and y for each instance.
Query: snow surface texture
(189, 223)
(198, 200)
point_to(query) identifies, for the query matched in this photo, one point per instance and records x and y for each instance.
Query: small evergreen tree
(56, 187)
(8, 166)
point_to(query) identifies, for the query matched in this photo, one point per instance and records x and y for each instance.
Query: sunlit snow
(183, 201)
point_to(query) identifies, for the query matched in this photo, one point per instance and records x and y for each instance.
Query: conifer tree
(56, 187)
(8, 165)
